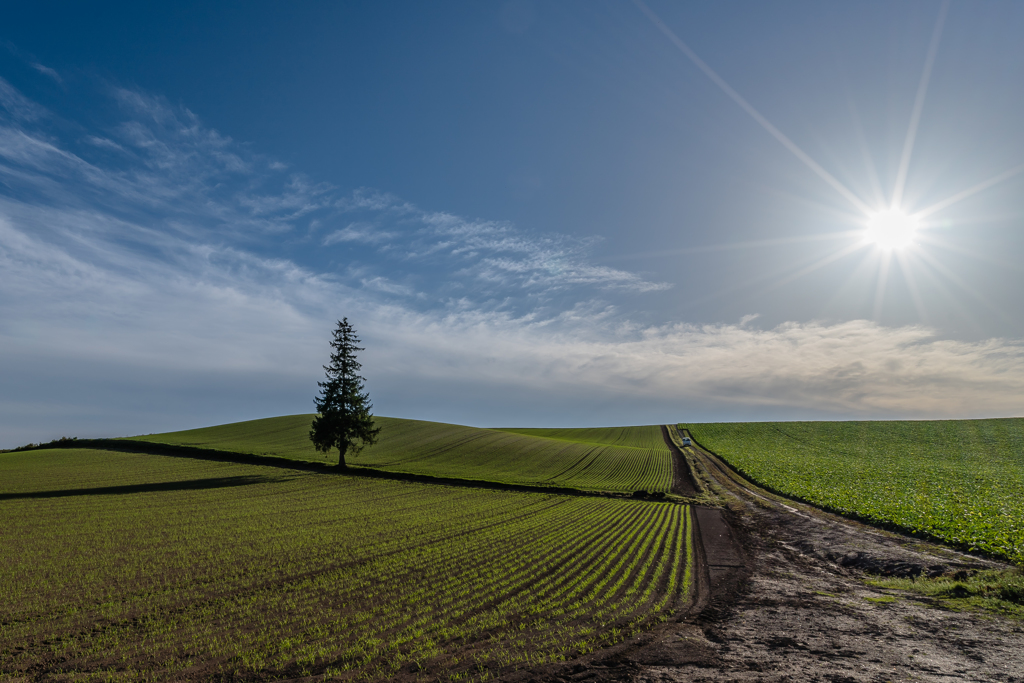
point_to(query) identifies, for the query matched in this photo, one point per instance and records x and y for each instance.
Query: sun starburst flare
(894, 234)
(891, 229)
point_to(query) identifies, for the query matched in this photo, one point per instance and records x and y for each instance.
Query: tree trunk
(341, 460)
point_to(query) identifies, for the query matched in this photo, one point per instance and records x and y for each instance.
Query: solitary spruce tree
(343, 418)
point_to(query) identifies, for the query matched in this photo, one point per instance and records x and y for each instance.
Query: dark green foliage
(343, 418)
(62, 441)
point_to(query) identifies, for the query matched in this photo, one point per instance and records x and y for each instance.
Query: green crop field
(622, 459)
(960, 481)
(120, 566)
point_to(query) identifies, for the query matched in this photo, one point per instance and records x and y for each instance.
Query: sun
(891, 229)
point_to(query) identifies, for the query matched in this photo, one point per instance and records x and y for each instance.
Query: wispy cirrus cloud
(364, 233)
(488, 254)
(172, 173)
(382, 284)
(47, 71)
(17, 105)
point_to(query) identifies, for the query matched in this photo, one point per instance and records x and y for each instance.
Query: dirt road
(782, 597)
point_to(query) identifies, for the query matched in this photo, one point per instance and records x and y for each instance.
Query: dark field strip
(614, 459)
(957, 481)
(120, 566)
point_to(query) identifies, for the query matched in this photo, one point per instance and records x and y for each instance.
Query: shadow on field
(189, 485)
(354, 470)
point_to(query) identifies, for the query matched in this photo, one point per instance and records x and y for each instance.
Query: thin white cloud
(750, 317)
(554, 269)
(365, 199)
(364, 233)
(491, 252)
(382, 284)
(103, 143)
(17, 105)
(47, 71)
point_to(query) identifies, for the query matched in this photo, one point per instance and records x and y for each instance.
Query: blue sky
(572, 213)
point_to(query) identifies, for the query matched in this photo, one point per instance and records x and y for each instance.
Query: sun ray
(740, 285)
(941, 268)
(867, 262)
(960, 196)
(915, 115)
(883, 277)
(976, 219)
(869, 164)
(820, 263)
(754, 113)
(736, 246)
(948, 296)
(959, 249)
(904, 260)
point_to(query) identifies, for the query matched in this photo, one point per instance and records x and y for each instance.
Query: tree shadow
(188, 485)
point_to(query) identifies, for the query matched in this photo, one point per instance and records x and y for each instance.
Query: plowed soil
(782, 597)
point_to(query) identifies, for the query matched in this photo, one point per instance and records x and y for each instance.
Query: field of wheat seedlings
(121, 566)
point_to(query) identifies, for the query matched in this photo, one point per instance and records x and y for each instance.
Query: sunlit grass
(1000, 591)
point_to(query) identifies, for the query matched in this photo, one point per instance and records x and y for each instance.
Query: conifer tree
(343, 406)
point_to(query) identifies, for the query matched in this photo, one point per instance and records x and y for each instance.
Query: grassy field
(960, 481)
(120, 566)
(621, 459)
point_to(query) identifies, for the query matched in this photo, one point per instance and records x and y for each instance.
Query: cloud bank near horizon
(154, 274)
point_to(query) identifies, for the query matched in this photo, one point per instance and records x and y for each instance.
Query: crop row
(959, 481)
(648, 436)
(139, 567)
(622, 459)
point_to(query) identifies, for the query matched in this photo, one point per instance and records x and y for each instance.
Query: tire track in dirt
(803, 612)
(683, 483)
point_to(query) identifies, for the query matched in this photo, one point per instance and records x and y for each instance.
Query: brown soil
(682, 479)
(782, 597)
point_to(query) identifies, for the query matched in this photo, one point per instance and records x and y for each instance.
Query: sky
(533, 213)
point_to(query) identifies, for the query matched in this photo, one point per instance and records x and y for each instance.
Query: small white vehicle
(686, 441)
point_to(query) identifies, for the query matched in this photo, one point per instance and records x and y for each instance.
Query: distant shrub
(34, 446)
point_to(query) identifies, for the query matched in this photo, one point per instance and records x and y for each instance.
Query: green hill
(620, 459)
